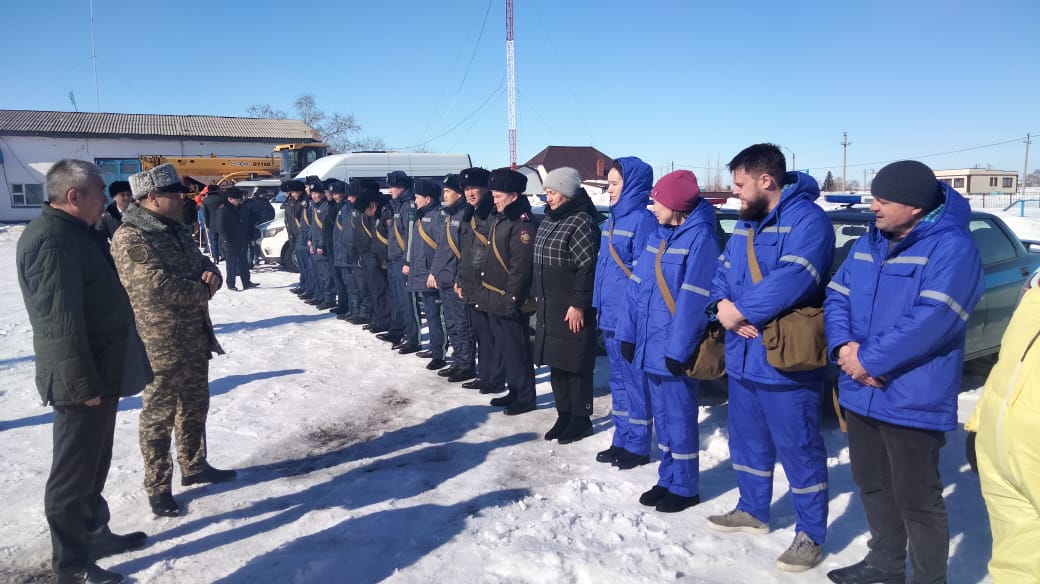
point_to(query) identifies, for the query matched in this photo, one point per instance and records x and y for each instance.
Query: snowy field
(359, 465)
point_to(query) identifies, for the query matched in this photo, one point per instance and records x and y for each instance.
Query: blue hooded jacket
(794, 246)
(908, 309)
(629, 226)
(687, 266)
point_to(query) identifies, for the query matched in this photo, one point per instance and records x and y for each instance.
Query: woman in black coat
(565, 249)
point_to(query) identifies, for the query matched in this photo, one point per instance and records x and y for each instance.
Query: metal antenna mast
(93, 55)
(511, 74)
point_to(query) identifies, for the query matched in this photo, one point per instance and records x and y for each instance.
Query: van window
(994, 245)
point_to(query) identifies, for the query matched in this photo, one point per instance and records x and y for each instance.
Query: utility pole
(1025, 167)
(844, 158)
(511, 73)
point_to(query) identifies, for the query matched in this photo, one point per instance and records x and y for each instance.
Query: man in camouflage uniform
(170, 284)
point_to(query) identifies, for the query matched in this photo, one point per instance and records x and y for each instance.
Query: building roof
(967, 171)
(112, 125)
(580, 158)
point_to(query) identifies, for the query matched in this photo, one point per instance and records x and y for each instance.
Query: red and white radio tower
(511, 74)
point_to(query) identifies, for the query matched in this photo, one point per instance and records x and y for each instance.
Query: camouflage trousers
(176, 402)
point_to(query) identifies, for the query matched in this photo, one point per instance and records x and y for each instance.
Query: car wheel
(289, 258)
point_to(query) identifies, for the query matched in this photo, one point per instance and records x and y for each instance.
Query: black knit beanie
(908, 182)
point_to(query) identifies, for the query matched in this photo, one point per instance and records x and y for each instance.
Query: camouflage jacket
(161, 268)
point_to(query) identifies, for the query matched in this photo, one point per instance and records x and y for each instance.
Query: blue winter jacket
(687, 265)
(908, 308)
(629, 226)
(794, 246)
(345, 253)
(420, 254)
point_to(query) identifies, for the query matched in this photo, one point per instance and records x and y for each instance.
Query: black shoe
(578, 428)
(363, 320)
(296, 290)
(231, 287)
(609, 455)
(313, 301)
(672, 503)
(425, 354)
(487, 388)
(342, 317)
(462, 375)
(504, 400)
(864, 573)
(305, 296)
(163, 505)
(324, 306)
(516, 409)
(629, 460)
(250, 285)
(208, 474)
(92, 574)
(436, 364)
(652, 497)
(102, 543)
(475, 384)
(448, 371)
(562, 419)
(408, 348)
(388, 337)
(339, 310)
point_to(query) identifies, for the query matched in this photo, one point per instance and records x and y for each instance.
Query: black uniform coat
(473, 233)
(565, 250)
(84, 333)
(507, 283)
(445, 268)
(110, 221)
(234, 227)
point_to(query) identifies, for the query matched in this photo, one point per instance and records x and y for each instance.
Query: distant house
(980, 181)
(590, 163)
(32, 141)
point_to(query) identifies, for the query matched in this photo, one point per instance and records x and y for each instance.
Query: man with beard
(773, 414)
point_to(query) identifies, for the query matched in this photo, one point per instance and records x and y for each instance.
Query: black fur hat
(452, 182)
(427, 188)
(119, 186)
(290, 186)
(507, 180)
(398, 178)
(474, 177)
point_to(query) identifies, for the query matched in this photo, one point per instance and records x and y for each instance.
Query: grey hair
(69, 174)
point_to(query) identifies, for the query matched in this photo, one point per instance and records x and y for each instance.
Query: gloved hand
(628, 351)
(969, 453)
(674, 367)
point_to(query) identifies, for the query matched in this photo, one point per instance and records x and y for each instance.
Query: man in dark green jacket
(88, 354)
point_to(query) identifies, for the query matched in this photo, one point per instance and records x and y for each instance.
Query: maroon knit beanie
(677, 190)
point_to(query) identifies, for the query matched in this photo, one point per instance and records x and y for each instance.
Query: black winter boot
(578, 428)
(863, 573)
(562, 419)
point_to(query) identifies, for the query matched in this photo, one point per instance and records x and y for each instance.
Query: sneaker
(737, 520)
(208, 474)
(609, 455)
(863, 572)
(102, 543)
(652, 497)
(91, 574)
(672, 503)
(629, 460)
(803, 554)
(163, 505)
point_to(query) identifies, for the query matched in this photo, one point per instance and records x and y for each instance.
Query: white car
(274, 239)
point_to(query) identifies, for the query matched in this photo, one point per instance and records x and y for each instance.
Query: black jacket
(565, 251)
(210, 204)
(234, 227)
(84, 334)
(445, 266)
(110, 221)
(506, 282)
(293, 210)
(474, 248)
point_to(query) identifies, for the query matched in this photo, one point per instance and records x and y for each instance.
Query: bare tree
(338, 130)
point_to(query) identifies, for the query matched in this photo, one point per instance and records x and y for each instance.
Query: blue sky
(687, 83)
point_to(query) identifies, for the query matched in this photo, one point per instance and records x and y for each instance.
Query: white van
(274, 242)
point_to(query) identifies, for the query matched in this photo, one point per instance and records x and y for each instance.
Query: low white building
(32, 141)
(980, 181)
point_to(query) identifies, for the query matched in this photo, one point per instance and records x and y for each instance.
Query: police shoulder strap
(480, 236)
(451, 242)
(422, 233)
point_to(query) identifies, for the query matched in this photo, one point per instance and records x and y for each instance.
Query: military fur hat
(398, 178)
(452, 182)
(314, 182)
(359, 187)
(161, 178)
(293, 186)
(507, 180)
(427, 188)
(337, 186)
(474, 177)
(119, 186)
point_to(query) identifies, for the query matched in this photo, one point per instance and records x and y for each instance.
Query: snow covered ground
(359, 465)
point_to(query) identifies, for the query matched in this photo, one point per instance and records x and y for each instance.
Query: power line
(462, 121)
(969, 149)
